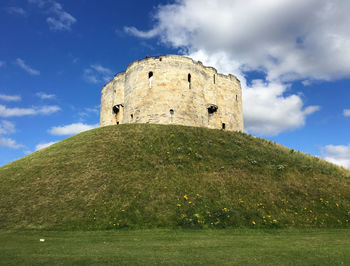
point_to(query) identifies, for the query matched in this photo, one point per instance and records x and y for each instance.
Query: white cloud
(2, 63)
(346, 112)
(337, 154)
(142, 34)
(10, 98)
(6, 127)
(44, 145)
(59, 19)
(71, 129)
(97, 74)
(45, 96)
(266, 109)
(43, 110)
(26, 67)
(16, 10)
(268, 112)
(10, 143)
(287, 40)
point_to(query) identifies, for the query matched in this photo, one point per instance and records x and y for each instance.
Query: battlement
(173, 89)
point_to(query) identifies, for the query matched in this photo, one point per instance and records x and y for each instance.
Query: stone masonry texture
(173, 89)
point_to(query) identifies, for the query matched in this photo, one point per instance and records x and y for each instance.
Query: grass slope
(154, 175)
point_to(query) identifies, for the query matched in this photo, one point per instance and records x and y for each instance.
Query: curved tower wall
(181, 91)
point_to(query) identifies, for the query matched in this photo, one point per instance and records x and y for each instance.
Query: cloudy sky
(292, 57)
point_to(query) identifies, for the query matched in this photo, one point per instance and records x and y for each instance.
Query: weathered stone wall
(173, 97)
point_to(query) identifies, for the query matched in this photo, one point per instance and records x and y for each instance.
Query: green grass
(147, 176)
(176, 247)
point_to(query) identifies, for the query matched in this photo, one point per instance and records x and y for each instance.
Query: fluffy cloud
(71, 129)
(337, 154)
(45, 96)
(6, 127)
(346, 112)
(44, 145)
(269, 112)
(311, 41)
(10, 143)
(44, 110)
(59, 19)
(97, 74)
(10, 98)
(2, 63)
(26, 67)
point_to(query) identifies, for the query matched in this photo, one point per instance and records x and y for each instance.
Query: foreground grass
(176, 247)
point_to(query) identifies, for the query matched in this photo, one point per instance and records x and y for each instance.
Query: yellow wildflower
(196, 215)
(253, 222)
(186, 197)
(178, 205)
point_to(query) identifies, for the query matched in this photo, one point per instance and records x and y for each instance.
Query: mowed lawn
(176, 247)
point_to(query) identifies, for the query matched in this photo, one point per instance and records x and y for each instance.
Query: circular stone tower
(173, 89)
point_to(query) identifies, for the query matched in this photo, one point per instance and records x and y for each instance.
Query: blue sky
(291, 56)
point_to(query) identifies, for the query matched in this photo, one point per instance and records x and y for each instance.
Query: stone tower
(173, 89)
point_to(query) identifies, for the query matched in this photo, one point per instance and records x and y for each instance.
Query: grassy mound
(154, 175)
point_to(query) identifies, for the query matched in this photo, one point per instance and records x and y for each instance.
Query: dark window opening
(160, 59)
(117, 123)
(150, 77)
(236, 97)
(223, 125)
(212, 109)
(116, 109)
(189, 77)
(171, 111)
(132, 116)
(214, 78)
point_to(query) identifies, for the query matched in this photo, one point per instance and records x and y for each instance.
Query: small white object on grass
(42, 240)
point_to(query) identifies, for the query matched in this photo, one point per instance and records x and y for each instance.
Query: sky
(291, 56)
